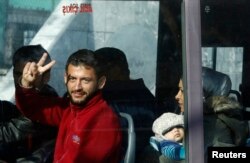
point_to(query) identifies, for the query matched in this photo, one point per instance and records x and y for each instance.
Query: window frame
(191, 26)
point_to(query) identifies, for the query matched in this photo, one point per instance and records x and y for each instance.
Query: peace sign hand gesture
(33, 70)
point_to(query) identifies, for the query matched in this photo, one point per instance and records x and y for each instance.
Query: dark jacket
(134, 98)
(223, 123)
(14, 132)
(19, 136)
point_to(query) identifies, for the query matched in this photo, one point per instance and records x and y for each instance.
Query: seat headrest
(215, 83)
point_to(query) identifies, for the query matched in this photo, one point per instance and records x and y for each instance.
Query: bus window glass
(148, 32)
(228, 60)
(131, 26)
(225, 47)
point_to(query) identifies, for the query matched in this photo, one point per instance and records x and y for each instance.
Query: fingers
(30, 70)
(41, 67)
(33, 69)
(29, 73)
(44, 68)
(26, 68)
(42, 60)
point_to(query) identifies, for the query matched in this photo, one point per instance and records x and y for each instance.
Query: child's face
(176, 134)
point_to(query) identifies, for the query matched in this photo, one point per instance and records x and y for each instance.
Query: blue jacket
(169, 149)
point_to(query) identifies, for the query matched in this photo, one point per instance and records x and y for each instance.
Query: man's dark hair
(87, 58)
(112, 58)
(29, 53)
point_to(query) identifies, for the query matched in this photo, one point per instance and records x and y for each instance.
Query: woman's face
(180, 96)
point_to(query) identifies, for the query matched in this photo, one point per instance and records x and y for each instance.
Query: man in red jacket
(89, 131)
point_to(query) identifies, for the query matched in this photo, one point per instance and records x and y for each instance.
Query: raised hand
(33, 70)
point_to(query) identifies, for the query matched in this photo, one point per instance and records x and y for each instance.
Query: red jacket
(89, 134)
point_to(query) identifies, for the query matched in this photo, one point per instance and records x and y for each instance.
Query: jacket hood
(230, 113)
(222, 104)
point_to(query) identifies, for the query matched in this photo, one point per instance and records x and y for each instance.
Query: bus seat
(236, 95)
(218, 84)
(131, 138)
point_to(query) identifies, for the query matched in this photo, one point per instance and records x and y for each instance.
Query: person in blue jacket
(169, 136)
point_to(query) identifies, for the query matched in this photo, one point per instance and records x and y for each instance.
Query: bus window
(148, 31)
(97, 24)
(225, 48)
(224, 29)
(228, 60)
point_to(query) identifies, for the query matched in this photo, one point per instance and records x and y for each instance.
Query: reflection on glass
(228, 60)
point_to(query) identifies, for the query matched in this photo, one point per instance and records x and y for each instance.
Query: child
(169, 136)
